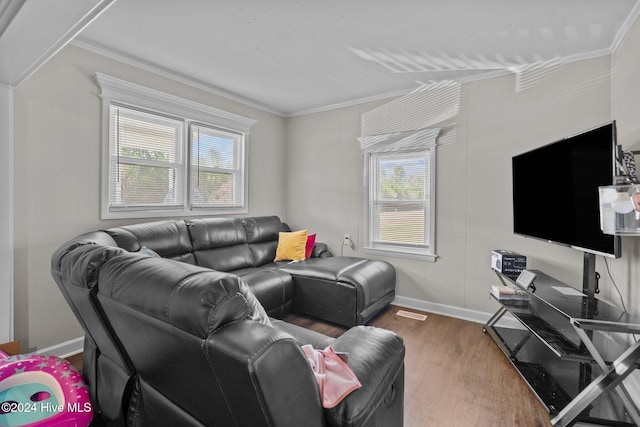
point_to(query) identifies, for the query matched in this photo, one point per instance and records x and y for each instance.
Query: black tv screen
(555, 190)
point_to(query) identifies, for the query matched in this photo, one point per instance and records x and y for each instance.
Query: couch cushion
(220, 243)
(272, 288)
(376, 356)
(262, 236)
(191, 298)
(170, 239)
(343, 290)
(75, 268)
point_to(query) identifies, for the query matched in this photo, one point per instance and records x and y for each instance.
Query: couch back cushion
(75, 267)
(262, 236)
(191, 298)
(220, 243)
(169, 239)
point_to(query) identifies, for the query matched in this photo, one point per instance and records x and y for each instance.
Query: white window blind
(146, 168)
(399, 148)
(400, 199)
(399, 174)
(217, 162)
(166, 156)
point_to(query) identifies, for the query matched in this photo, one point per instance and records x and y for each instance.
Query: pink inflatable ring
(38, 390)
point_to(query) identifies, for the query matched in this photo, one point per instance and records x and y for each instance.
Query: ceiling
(32, 31)
(295, 56)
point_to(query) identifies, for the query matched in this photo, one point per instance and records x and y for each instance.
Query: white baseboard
(64, 349)
(456, 312)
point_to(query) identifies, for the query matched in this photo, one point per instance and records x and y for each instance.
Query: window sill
(403, 253)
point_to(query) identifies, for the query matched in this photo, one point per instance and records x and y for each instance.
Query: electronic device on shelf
(526, 278)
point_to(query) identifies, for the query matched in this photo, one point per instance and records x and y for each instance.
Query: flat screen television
(555, 190)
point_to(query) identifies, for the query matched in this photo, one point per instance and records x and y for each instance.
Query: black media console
(573, 350)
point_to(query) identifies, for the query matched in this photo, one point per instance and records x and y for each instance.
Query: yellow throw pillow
(291, 246)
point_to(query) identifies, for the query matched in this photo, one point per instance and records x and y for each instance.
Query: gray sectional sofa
(344, 290)
(181, 326)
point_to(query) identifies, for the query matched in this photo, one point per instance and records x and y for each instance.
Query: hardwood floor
(455, 375)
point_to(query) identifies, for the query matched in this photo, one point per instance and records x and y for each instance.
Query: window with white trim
(167, 156)
(146, 167)
(217, 172)
(400, 175)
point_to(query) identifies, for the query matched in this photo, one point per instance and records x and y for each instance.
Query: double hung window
(217, 170)
(167, 156)
(146, 167)
(399, 176)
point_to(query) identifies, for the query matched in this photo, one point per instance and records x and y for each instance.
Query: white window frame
(237, 172)
(118, 160)
(121, 92)
(415, 144)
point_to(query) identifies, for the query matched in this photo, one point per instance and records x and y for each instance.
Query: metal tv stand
(565, 353)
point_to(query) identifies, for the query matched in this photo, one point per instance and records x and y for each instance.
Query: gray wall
(498, 118)
(57, 176)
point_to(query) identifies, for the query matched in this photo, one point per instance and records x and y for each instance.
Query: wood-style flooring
(455, 375)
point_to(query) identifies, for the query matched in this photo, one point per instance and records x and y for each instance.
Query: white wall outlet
(347, 241)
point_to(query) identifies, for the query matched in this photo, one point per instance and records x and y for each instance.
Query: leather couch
(186, 338)
(344, 290)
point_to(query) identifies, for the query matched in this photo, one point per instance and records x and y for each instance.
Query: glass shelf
(550, 353)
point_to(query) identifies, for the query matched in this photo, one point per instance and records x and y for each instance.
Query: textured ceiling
(293, 56)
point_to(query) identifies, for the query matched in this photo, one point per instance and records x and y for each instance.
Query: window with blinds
(400, 201)
(146, 168)
(167, 156)
(399, 176)
(216, 167)
(160, 165)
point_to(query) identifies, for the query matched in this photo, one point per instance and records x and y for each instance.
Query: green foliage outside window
(397, 186)
(144, 185)
(213, 187)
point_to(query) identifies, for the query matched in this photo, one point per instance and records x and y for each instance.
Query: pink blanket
(335, 379)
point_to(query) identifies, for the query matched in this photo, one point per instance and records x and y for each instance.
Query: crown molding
(112, 88)
(170, 74)
(625, 27)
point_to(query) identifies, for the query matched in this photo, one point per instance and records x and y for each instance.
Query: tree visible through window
(137, 181)
(400, 200)
(145, 165)
(399, 173)
(167, 156)
(216, 166)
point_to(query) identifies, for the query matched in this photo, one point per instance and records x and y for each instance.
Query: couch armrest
(376, 356)
(321, 250)
(261, 369)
